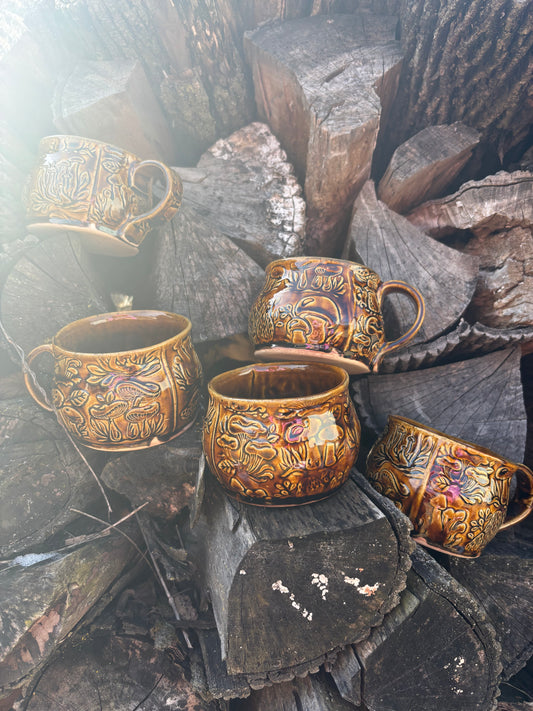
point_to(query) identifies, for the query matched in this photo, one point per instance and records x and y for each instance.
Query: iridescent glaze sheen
(455, 493)
(282, 433)
(326, 310)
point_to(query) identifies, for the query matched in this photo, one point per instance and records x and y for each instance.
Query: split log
(162, 476)
(215, 293)
(318, 84)
(442, 44)
(425, 166)
(288, 585)
(501, 580)
(435, 650)
(112, 101)
(387, 243)
(42, 476)
(245, 187)
(496, 203)
(43, 597)
(479, 400)
(49, 284)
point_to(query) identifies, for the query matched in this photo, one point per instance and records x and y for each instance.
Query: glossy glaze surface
(124, 380)
(455, 493)
(281, 434)
(99, 191)
(320, 309)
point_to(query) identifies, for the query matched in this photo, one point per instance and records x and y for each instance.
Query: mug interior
(120, 331)
(278, 381)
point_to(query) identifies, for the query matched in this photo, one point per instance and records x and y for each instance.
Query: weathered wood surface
(426, 165)
(479, 400)
(15, 162)
(501, 580)
(215, 293)
(163, 477)
(436, 650)
(495, 203)
(318, 83)
(442, 42)
(289, 585)
(42, 476)
(112, 101)
(245, 187)
(43, 599)
(49, 284)
(395, 249)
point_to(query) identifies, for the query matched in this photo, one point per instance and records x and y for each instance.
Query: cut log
(112, 101)
(202, 274)
(479, 400)
(163, 476)
(50, 284)
(42, 476)
(247, 190)
(289, 585)
(501, 580)
(387, 243)
(43, 596)
(425, 166)
(436, 650)
(465, 61)
(15, 163)
(495, 203)
(318, 83)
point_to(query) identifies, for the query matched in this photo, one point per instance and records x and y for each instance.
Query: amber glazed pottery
(99, 191)
(455, 493)
(326, 310)
(123, 380)
(281, 434)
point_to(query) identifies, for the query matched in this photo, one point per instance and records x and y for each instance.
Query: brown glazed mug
(281, 434)
(123, 380)
(455, 493)
(327, 310)
(99, 191)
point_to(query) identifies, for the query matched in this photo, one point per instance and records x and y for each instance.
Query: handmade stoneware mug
(281, 434)
(327, 310)
(123, 380)
(99, 191)
(455, 493)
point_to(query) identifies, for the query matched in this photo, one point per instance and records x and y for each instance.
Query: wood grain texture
(479, 400)
(290, 584)
(245, 187)
(112, 101)
(426, 165)
(318, 83)
(390, 245)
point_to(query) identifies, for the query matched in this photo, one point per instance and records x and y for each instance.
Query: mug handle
(523, 495)
(165, 209)
(399, 287)
(28, 380)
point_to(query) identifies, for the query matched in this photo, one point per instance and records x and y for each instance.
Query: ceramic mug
(123, 380)
(282, 433)
(328, 310)
(455, 493)
(99, 191)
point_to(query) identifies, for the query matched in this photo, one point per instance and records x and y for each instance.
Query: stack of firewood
(392, 134)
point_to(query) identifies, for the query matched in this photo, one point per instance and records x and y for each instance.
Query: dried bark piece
(395, 249)
(424, 166)
(479, 400)
(318, 83)
(498, 202)
(245, 187)
(112, 101)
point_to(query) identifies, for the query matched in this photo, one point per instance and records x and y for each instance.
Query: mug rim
(451, 438)
(136, 312)
(91, 140)
(330, 260)
(316, 397)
